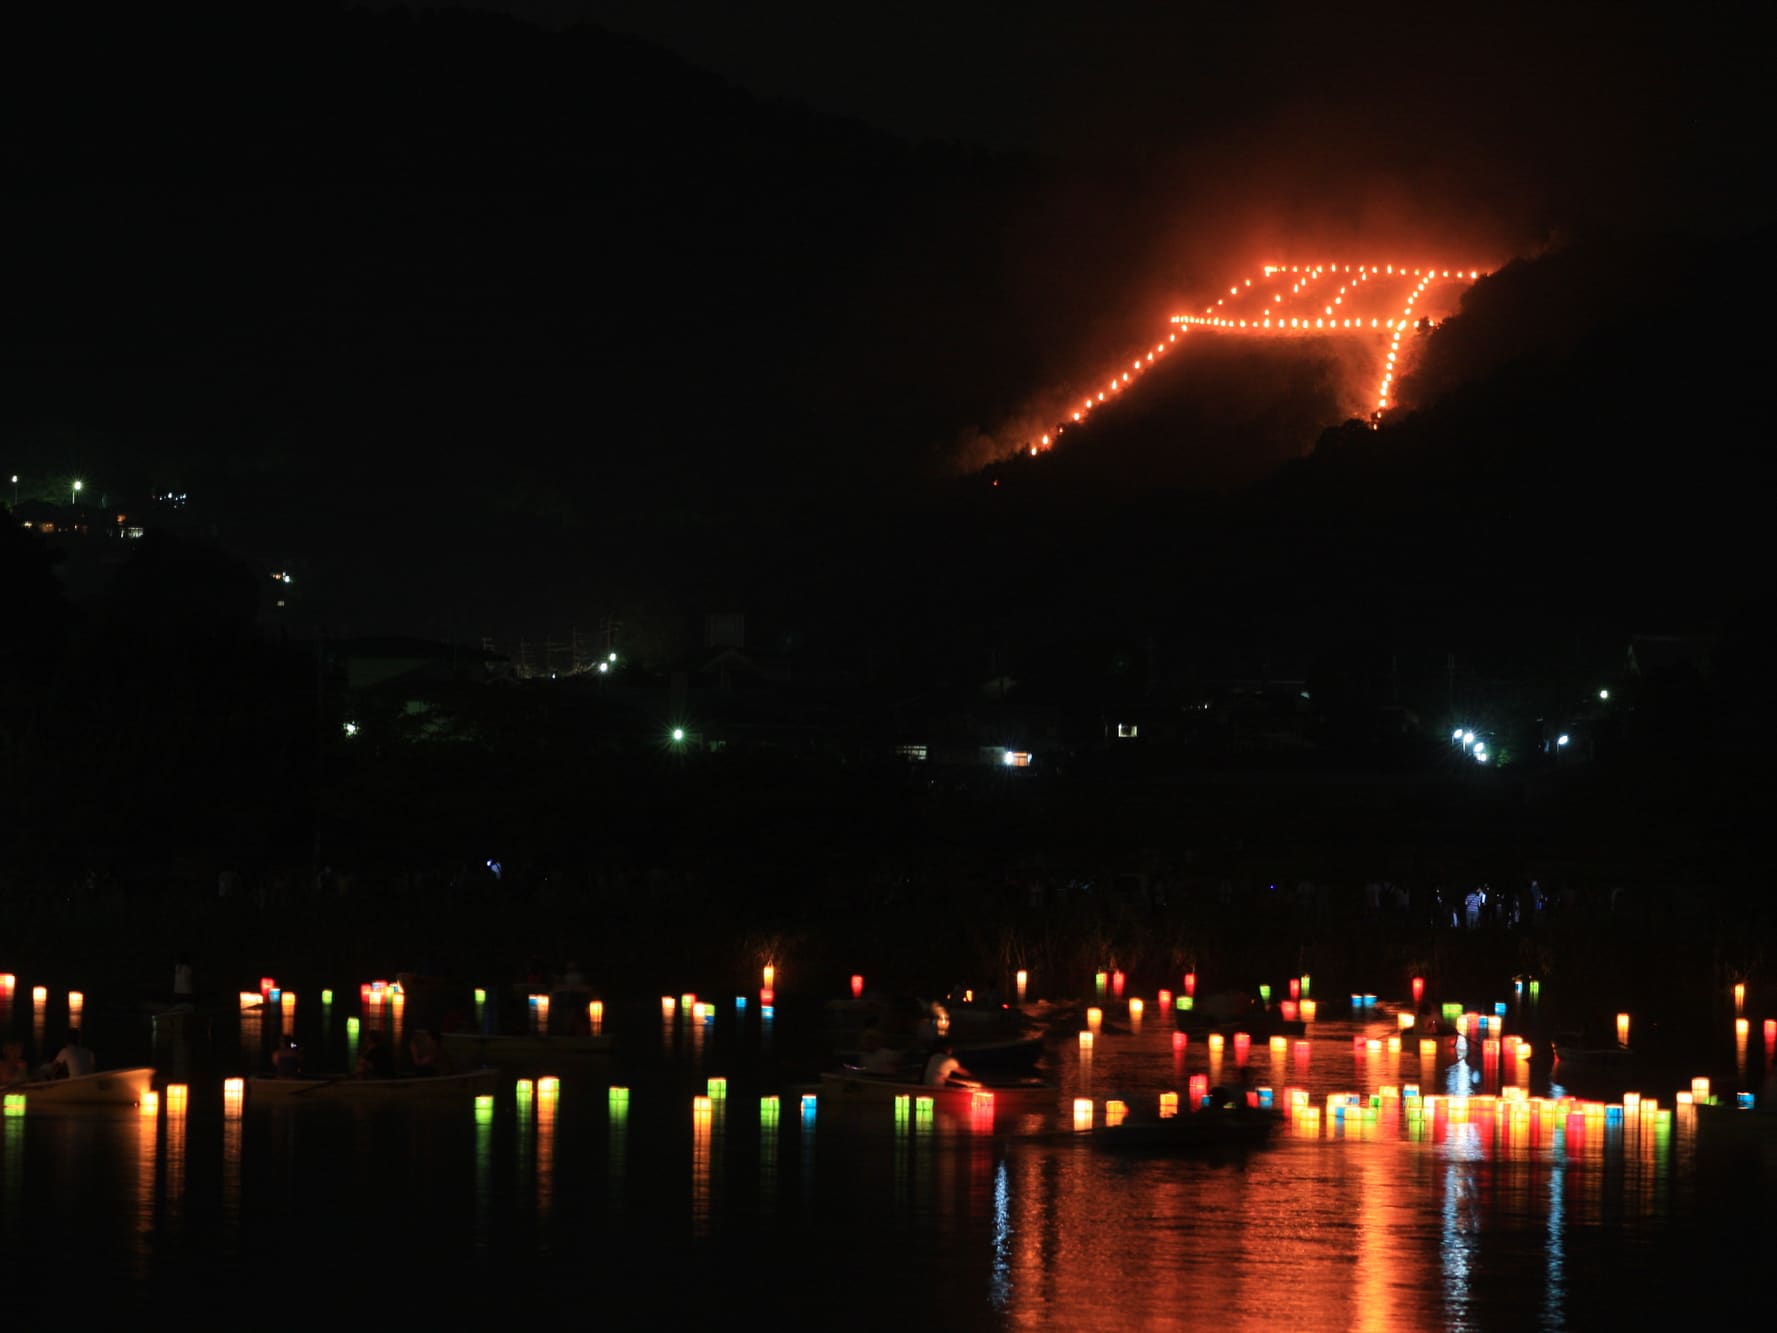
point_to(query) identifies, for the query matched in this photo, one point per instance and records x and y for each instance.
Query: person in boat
(944, 1070)
(13, 1066)
(1233, 1097)
(426, 1053)
(286, 1061)
(74, 1060)
(374, 1061)
(876, 1056)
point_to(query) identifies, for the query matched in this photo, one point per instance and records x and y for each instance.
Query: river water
(636, 1208)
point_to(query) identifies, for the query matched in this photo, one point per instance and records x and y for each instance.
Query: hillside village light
(351, 728)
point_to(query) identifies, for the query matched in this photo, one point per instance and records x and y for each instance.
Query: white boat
(421, 1088)
(106, 1087)
(1010, 1097)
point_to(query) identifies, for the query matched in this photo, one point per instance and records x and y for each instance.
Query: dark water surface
(833, 1219)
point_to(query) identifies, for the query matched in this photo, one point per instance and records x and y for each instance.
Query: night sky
(500, 319)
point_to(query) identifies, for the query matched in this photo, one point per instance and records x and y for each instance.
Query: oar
(322, 1083)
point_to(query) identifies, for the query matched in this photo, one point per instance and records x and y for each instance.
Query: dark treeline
(465, 321)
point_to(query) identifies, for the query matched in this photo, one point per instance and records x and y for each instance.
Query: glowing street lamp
(678, 735)
(74, 492)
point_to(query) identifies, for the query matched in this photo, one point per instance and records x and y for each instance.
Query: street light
(74, 492)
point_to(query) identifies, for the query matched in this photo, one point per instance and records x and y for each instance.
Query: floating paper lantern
(1418, 990)
(14, 1104)
(1265, 994)
(1023, 983)
(697, 1011)
(1135, 1010)
(1280, 1047)
(76, 1004)
(617, 1102)
(250, 999)
(484, 1108)
(808, 1110)
(1622, 1029)
(268, 984)
(667, 1005)
(524, 1092)
(1394, 1045)
(8, 983)
(1094, 1018)
(1305, 981)
(1198, 1089)
(1631, 1103)
(1168, 1105)
(1191, 983)
(287, 1002)
(1309, 1009)
(150, 1104)
(1185, 1002)
(234, 1092)
(40, 996)
(1085, 1041)
(1428, 1048)
(717, 1087)
(1115, 1111)
(1739, 996)
(1243, 1043)
(857, 986)
(595, 1016)
(1289, 1010)
(768, 976)
(178, 1097)
(981, 1113)
(1700, 1088)
(768, 1111)
(1179, 1042)
(1116, 985)
(1404, 1020)
(1098, 981)
(1373, 1045)
(327, 999)
(1742, 1027)
(1164, 999)
(1215, 1043)
(1082, 1113)
(1743, 1101)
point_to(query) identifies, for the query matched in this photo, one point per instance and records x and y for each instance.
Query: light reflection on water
(1365, 1226)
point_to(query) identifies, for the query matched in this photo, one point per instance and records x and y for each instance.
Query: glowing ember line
(1300, 312)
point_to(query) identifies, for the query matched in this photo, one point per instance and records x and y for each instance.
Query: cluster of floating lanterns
(1300, 312)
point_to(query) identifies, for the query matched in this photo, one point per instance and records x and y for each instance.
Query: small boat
(1196, 1131)
(107, 1087)
(473, 1050)
(1576, 1057)
(1016, 1096)
(437, 1087)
